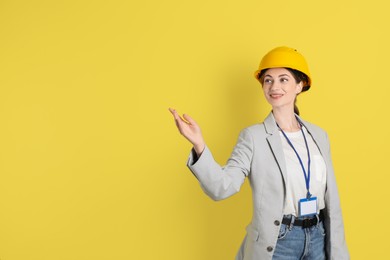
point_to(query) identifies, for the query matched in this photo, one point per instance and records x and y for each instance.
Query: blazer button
(270, 248)
(277, 222)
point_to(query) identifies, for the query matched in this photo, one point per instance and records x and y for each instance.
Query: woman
(297, 212)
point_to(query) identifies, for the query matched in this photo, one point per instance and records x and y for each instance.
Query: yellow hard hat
(285, 57)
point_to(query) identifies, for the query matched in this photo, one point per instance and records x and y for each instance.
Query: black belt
(304, 223)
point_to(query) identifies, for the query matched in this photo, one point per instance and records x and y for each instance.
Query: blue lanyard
(307, 176)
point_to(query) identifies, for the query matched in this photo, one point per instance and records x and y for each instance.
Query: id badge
(307, 207)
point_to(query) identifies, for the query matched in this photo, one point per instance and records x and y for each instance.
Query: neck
(286, 120)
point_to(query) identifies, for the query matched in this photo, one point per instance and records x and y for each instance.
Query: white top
(295, 183)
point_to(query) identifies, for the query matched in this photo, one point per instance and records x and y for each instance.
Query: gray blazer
(258, 155)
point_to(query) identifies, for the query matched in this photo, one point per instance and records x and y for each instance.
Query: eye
(283, 80)
(267, 81)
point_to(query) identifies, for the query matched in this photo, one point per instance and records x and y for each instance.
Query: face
(280, 88)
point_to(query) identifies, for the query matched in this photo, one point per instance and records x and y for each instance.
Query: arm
(222, 182)
(217, 182)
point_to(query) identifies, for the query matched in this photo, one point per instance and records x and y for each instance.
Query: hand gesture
(190, 130)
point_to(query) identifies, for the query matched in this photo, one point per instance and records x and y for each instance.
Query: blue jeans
(297, 243)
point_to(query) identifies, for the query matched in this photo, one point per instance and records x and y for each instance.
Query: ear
(299, 87)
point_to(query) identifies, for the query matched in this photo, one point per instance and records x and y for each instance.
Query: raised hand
(190, 130)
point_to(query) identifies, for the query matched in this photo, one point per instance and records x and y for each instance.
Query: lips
(274, 95)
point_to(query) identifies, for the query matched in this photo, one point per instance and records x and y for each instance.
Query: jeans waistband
(303, 222)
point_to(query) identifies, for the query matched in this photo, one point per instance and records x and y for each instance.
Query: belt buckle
(306, 223)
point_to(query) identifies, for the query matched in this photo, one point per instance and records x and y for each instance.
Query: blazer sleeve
(222, 182)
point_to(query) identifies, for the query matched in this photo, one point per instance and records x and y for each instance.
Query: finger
(189, 119)
(172, 110)
(175, 114)
(180, 123)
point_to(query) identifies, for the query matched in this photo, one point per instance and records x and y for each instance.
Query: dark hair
(298, 76)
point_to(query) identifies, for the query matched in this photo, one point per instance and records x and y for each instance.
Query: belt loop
(291, 222)
(318, 220)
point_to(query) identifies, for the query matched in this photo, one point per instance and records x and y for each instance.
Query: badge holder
(307, 207)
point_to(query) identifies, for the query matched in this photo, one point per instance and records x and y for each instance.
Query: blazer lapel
(275, 144)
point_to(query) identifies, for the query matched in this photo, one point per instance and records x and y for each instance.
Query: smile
(276, 95)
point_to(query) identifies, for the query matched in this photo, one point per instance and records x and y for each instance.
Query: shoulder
(262, 129)
(256, 128)
(317, 132)
(254, 131)
(313, 127)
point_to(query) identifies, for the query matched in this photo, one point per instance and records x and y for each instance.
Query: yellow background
(91, 163)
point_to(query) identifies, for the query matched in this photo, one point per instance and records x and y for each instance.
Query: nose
(274, 86)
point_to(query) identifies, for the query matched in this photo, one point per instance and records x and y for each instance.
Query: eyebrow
(281, 75)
